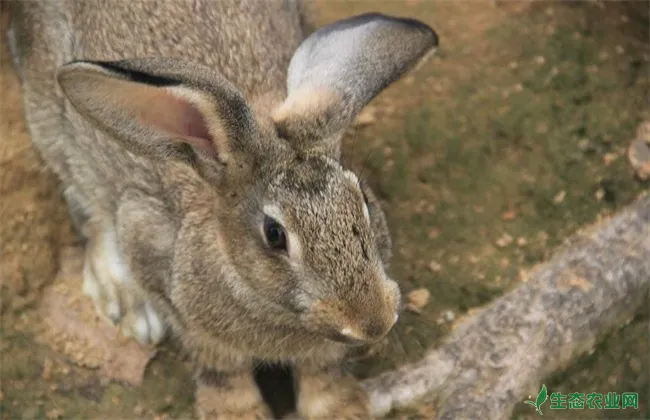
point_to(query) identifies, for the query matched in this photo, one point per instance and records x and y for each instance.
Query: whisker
(399, 344)
(364, 165)
(355, 134)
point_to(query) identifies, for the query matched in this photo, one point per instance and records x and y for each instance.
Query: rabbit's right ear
(162, 108)
(338, 69)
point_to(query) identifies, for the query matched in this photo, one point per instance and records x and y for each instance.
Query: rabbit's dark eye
(275, 236)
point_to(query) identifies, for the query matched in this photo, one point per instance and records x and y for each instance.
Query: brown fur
(168, 163)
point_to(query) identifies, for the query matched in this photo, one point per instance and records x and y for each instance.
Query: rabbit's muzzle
(357, 320)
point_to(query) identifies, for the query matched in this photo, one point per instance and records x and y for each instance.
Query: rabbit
(198, 148)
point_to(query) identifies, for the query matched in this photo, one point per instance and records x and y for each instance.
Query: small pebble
(509, 215)
(138, 410)
(635, 364)
(449, 315)
(584, 145)
(417, 299)
(559, 197)
(609, 158)
(366, 117)
(638, 155)
(55, 413)
(504, 241)
(434, 266)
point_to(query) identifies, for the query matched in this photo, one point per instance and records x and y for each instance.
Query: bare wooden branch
(500, 355)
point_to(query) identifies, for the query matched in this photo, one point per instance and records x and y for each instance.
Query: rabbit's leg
(76, 209)
(328, 393)
(107, 280)
(229, 396)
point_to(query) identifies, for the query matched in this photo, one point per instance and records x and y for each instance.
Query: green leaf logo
(541, 399)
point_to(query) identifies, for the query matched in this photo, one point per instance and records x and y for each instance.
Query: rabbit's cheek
(393, 293)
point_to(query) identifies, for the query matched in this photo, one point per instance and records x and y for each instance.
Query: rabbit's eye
(274, 232)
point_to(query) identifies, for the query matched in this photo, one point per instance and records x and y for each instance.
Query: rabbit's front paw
(229, 396)
(143, 323)
(328, 394)
(107, 281)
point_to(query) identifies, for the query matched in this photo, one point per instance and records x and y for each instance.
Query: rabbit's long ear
(338, 69)
(163, 108)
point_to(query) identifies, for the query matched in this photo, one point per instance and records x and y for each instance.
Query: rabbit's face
(276, 232)
(315, 242)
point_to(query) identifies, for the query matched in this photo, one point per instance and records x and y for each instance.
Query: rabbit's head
(299, 240)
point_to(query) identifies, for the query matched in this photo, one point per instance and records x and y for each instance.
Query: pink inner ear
(178, 117)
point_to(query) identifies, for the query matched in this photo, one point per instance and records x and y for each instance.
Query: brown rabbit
(198, 147)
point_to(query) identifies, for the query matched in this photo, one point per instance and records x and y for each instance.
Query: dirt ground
(486, 159)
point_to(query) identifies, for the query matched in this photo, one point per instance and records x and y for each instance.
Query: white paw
(107, 281)
(144, 324)
(104, 294)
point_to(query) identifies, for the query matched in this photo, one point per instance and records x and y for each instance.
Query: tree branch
(496, 358)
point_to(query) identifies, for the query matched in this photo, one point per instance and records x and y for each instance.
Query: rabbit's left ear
(340, 68)
(163, 108)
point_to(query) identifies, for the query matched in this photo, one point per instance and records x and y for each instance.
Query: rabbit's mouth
(346, 339)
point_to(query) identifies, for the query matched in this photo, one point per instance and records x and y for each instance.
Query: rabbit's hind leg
(107, 280)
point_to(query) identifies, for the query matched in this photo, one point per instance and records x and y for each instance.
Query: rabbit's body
(214, 33)
(113, 189)
(211, 198)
